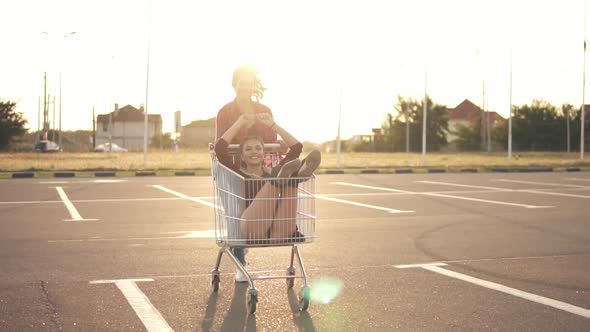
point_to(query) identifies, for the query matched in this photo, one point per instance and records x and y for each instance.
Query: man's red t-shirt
(230, 113)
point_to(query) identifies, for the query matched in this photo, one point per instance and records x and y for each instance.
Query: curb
(145, 173)
(370, 171)
(83, 174)
(105, 174)
(23, 175)
(64, 174)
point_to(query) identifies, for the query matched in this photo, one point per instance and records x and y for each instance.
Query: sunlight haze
(306, 50)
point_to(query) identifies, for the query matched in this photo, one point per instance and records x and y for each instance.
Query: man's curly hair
(246, 69)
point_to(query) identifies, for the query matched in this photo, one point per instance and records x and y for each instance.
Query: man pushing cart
(262, 206)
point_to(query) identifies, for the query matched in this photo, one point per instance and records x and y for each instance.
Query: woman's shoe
(310, 164)
(284, 171)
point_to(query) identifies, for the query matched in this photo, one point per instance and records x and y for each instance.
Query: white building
(125, 127)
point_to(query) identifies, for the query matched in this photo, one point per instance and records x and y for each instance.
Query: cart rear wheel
(303, 304)
(304, 297)
(215, 282)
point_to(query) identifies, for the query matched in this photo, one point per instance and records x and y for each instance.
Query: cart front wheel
(290, 281)
(252, 300)
(215, 282)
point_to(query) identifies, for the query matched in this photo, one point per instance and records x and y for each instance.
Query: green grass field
(200, 160)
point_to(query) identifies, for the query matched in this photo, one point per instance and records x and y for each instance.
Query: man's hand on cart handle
(266, 119)
(247, 120)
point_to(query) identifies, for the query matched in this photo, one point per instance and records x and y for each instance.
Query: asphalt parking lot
(484, 251)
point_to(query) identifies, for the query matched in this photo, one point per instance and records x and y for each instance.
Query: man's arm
(221, 125)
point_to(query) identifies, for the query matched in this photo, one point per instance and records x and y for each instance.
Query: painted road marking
(372, 187)
(193, 199)
(447, 196)
(343, 201)
(148, 314)
(542, 183)
(84, 181)
(531, 191)
(71, 208)
(206, 234)
(436, 267)
(100, 200)
(577, 179)
(463, 185)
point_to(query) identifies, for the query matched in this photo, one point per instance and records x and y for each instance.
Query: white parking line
(337, 200)
(436, 267)
(527, 206)
(531, 191)
(148, 314)
(542, 183)
(194, 199)
(372, 187)
(83, 181)
(207, 234)
(577, 179)
(463, 185)
(71, 208)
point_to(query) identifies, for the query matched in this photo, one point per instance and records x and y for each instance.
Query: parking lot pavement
(409, 251)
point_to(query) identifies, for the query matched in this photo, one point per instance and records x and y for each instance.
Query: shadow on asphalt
(238, 318)
(209, 312)
(301, 318)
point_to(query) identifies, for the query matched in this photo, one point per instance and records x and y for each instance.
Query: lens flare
(325, 289)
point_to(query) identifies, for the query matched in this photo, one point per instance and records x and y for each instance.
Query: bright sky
(306, 50)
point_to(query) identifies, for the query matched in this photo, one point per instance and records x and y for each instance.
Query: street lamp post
(510, 114)
(583, 92)
(60, 100)
(60, 87)
(147, 86)
(424, 115)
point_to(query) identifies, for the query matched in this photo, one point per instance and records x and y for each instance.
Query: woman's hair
(248, 70)
(243, 141)
(249, 138)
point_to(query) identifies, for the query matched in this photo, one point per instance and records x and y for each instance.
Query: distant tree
(468, 137)
(164, 141)
(539, 126)
(395, 126)
(12, 124)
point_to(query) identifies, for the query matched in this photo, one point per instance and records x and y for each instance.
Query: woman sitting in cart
(267, 216)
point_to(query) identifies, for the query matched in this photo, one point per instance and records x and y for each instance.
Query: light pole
(60, 84)
(147, 85)
(510, 114)
(424, 115)
(339, 119)
(583, 92)
(60, 70)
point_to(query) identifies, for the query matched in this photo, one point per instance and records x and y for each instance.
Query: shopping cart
(283, 218)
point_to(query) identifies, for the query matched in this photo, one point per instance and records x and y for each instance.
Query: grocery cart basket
(254, 212)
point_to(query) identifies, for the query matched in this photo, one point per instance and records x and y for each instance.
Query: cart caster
(252, 300)
(304, 296)
(215, 281)
(290, 281)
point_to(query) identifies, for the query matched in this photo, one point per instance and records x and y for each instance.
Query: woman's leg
(285, 218)
(260, 214)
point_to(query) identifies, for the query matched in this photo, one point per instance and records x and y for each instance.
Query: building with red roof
(125, 127)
